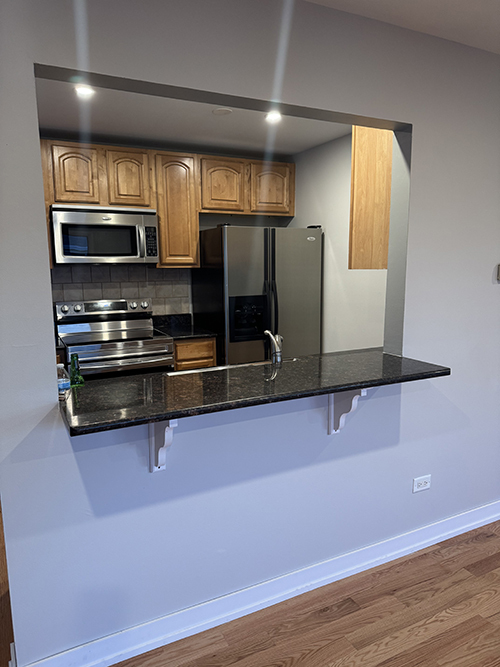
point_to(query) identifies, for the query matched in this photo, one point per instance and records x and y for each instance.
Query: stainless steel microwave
(97, 234)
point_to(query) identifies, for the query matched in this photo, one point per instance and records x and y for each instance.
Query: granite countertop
(118, 402)
(179, 327)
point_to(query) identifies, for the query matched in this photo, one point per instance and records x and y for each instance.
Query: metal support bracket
(161, 435)
(340, 405)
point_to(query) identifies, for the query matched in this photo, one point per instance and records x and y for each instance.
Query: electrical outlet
(421, 483)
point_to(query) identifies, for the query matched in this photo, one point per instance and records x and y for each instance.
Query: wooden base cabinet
(194, 353)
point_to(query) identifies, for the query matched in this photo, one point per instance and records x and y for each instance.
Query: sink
(224, 368)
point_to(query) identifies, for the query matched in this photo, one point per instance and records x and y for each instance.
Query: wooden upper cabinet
(222, 184)
(178, 185)
(371, 172)
(247, 186)
(177, 209)
(272, 187)
(128, 178)
(75, 173)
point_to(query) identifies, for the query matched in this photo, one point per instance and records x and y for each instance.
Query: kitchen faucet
(276, 346)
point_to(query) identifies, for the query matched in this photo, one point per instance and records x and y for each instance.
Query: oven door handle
(84, 357)
(120, 363)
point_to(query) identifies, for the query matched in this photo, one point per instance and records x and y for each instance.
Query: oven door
(122, 356)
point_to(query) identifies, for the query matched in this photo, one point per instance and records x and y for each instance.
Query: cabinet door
(76, 174)
(177, 210)
(371, 175)
(272, 187)
(194, 353)
(222, 184)
(128, 177)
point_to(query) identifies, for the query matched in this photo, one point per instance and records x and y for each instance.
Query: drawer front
(192, 365)
(195, 349)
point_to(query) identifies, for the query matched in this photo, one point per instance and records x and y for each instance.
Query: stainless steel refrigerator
(257, 278)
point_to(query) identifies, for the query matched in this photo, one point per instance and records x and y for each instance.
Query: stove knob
(144, 304)
(133, 305)
(64, 309)
(77, 308)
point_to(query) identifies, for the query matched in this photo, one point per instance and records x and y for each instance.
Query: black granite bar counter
(118, 402)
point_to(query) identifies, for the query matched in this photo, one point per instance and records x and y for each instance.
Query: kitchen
(354, 301)
(263, 461)
(256, 271)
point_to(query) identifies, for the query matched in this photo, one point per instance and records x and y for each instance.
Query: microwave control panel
(151, 242)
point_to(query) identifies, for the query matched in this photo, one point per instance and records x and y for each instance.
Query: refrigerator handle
(267, 282)
(268, 295)
(274, 290)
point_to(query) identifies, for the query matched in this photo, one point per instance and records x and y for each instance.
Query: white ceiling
(472, 22)
(139, 119)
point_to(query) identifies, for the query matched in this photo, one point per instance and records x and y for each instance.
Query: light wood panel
(423, 610)
(371, 171)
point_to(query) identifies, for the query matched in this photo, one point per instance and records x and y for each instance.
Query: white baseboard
(139, 639)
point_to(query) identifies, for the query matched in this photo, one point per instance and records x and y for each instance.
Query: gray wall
(96, 544)
(353, 300)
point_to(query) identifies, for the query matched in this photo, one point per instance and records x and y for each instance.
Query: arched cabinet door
(222, 184)
(271, 187)
(76, 174)
(128, 175)
(177, 209)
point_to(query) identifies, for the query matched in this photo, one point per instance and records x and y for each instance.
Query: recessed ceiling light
(273, 117)
(222, 111)
(84, 91)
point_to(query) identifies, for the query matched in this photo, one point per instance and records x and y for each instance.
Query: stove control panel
(80, 309)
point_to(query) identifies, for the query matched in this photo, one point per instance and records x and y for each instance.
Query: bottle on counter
(76, 379)
(63, 381)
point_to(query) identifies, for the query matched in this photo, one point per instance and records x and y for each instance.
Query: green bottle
(75, 377)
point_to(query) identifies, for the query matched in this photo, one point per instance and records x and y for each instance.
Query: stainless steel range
(112, 335)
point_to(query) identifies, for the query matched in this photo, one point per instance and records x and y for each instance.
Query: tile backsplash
(170, 289)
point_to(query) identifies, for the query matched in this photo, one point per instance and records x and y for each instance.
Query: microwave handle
(142, 241)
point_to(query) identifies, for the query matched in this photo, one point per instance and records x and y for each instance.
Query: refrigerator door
(297, 287)
(246, 260)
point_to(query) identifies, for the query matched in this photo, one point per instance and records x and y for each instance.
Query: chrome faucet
(276, 346)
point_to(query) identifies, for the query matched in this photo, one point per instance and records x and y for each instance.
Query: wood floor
(439, 607)
(6, 633)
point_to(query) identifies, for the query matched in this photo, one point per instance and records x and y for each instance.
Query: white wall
(353, 300)
(96, 544)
